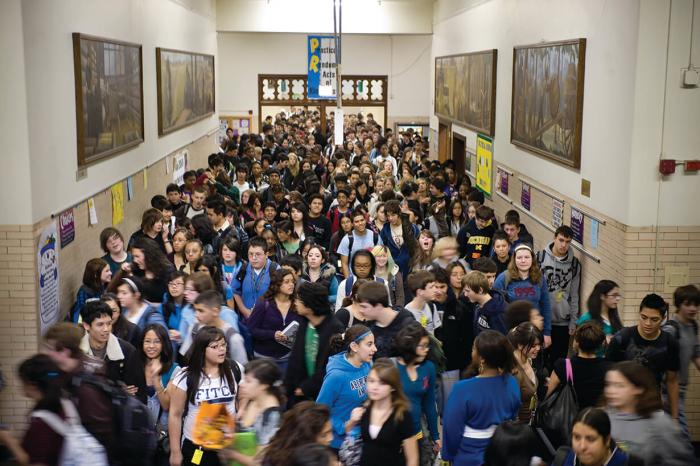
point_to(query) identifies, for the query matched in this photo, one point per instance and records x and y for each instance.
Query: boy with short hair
(196, 206)
(489, 311)
(253, 280)
(319, 226)
(339, 209)
(207, 311)
(474, 238)
(486, 266)
(422, 284)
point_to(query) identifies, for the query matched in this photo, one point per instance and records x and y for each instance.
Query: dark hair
(312, 454)
(149, 218)
(409, 237)
(172, 187)
(315, 297)
(94, 310)
(166, 352)
(340, 342)
(294, 261)
(42, 372)
(372, 261)
(93, 273)
(518, 312)
(484, 265)
(267, 373)
(373, 293)
(565, 231)
(155, 260)
(300, 426)
(160, 203)
(209, 298)
(257, 242)
(513, 444)
(484, 212)
(195, 358)
(495, 350)
(500, 235)
(654, 301)
(211, 262)
(108, 233)
(419, 280)
(233, 244)
(686, 294)
(441, 275)
(203, 228)
(641, 377)
(169, 302)
(525, 335)
(276, 279)
(595, 418)
(217, 207)
(589, 336)
(595, 304)
(407, 340)
(512, 220)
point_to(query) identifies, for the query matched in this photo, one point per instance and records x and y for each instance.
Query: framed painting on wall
(547, 106)
(108, 97)
(465, 90)
(185, 85)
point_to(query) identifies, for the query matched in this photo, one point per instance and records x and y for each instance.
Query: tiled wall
(626, 254)
(19, 325)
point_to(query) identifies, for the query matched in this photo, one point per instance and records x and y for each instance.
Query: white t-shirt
(136, 317)
(429, 320)
(214, 391)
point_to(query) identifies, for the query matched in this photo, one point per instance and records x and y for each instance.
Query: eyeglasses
(363, 266)
(422, 346)
(177, 284)
(218, 346)
(256, 254)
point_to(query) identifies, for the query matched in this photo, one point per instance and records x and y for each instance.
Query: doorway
(459, 153)
(443, 142)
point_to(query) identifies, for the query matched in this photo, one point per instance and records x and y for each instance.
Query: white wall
(50, 96)
(405, 59)
(14, 130)
(623, 96)
(359, 16)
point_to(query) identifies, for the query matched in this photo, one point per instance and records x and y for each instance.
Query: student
(135, 309)
(513, 444)
(456, 217)
(386, 425)
(96, 277)
(194, 251)
(311, 350)
(400, 236)
(345, 383)
(501, 251)
(602, 308)
(374, 305)
(112, 243)
(318, 270)
(231, 262)
(475, 237)
(419, 381)
(685, 328)
(151, 266)
(253, 281)
(115, 354)
(180, 238)
(649, 345)
(195, 284)
(516, 231)
(524, 280)
(272, 314)
(489, 310)
(360, 238)
(152, 228)
(174, 196)
(388, 271)
(488, 267)
(588, 370)
(446, 252)
(638, 423)
(340, 208)
(526, 341)
(477, 405)
(121, 327)
(423, 258)
(260, 412)
(421, 283)
(187, 188)
(562, 272)
(173, 303)
(319, 226)
(209, 264)
(196, 205)
(208, 314)
(363, 266)
(209, 377)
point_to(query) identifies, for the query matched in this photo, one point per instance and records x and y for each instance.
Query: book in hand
(290, 331)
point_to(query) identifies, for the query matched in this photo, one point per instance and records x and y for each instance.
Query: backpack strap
(351, 241)
(240, 276)
(237, 375)
(351, 319)
(569, 372)
(348, 285)
(53, 420)
(560, 456)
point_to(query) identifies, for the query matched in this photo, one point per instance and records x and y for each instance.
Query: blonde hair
(476, 281)
(535, 274)
(391, 266)
(446, 242)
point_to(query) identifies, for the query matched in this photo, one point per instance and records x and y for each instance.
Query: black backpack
(133, 425)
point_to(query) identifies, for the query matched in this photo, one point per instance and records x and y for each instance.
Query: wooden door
(459, 153)
(443, 142)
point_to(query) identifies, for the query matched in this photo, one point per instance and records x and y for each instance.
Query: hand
(131, 389)
(437, 446)
(280, 337)
(298, 392)
(126, 267)
(356, 414)
(572, 330)
(547, 341)
(175, 458)
(175, 335)
(164, 233)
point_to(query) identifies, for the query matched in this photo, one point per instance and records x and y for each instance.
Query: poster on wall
(47, 264)
(577, 225)
(525, 196)
(557, 213)
(66, 224)
(484, 163)
(117, 203)
(594, 233)
(321, 80)
(92, 212)
(503, 181)
(180, 167)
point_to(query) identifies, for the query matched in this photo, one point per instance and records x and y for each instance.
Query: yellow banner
(484, 163)
(117, 203)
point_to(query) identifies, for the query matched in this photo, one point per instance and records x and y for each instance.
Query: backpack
(677, 327)
(351, 279)
(79, 447)
(244, 332)
(351, 240)
(132, 420)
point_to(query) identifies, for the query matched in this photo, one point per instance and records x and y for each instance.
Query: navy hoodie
(475, 242)
(491, 316)
(344, 389)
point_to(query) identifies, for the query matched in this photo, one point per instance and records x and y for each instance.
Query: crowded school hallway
(371, 232)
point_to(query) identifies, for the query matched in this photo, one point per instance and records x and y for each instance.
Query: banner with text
(321, 68)
(484, 163)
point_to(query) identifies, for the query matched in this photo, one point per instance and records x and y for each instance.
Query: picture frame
(547, 99)
(108, 97)
(465, 90)
(186, 88)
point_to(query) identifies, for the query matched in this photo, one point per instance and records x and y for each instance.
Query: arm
(245, 312)
(163, 394)
(333, 290)
(157, 318)
(328, 396)
(12, 444)
(430, 405)
(178, 398)
(237, 349)
(399, 293)
(340, 295)
(344, 265)
(553, 383)
(410, 451)
(454, 419)
(257, 317)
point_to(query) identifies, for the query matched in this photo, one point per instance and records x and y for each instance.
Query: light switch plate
(586, 188)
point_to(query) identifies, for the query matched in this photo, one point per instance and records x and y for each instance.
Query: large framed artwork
(108, 97)
(185, 88)
(465, 90)
(547, 106)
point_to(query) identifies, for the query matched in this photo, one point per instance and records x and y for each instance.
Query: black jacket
(456, 332)
(297, 375)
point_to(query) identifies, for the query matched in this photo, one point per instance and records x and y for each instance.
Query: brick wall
(19, 323)
(626, 255)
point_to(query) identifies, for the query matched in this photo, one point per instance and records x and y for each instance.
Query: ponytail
(340, 342)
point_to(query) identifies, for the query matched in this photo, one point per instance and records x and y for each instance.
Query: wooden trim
(84, 161)
(159, 89)
(576, 162)
(491, 131)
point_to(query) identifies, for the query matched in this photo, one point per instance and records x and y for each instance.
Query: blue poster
(594, 233)
(321, 69)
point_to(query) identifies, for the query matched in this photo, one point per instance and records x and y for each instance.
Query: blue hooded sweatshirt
(492, 315)
(537, 294)
(344, 389)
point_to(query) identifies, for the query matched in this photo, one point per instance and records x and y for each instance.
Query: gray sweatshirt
(563, 279)
(657, 439)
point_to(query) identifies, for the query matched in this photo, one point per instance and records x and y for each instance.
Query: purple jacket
(265, 320)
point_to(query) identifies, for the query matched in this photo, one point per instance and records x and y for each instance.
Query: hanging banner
(338, 126)
(503, 181)
(66, 225)
(557, 213)
(321, 80)
(484, 163)
(92, 212)
(179, 167)
(525, 196)
(47, 264)
(117, 203)
(577, 225)
(594, 233)
(130, 188)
